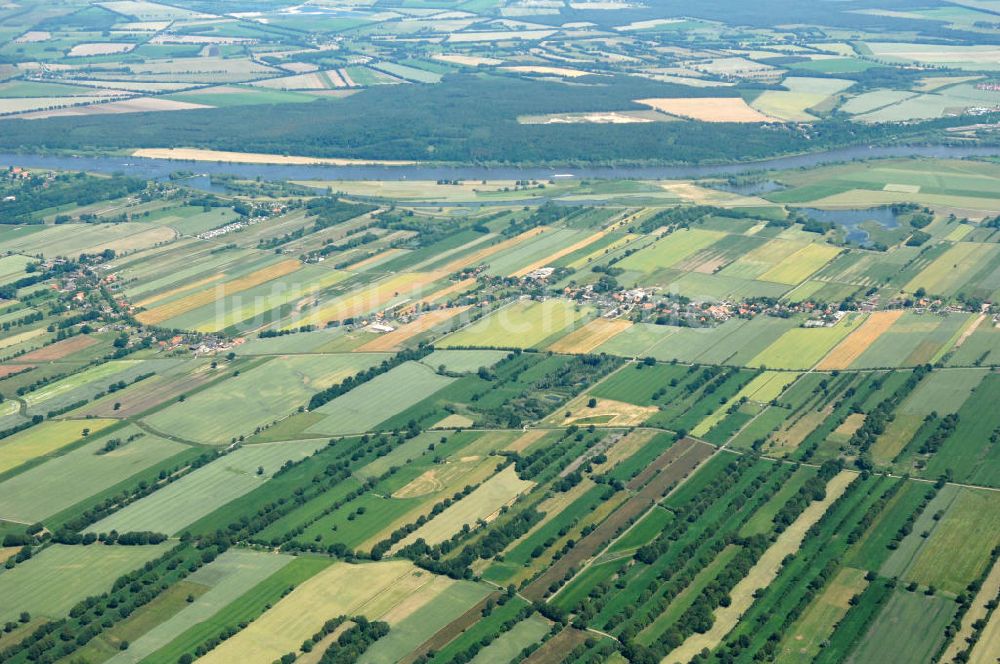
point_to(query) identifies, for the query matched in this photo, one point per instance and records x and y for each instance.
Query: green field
(181, 503)
(60, 576)
(366, 406)
(256, 397)
(524, 324)
(62, 481)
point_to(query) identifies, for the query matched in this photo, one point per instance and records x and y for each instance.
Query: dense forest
(467, 118)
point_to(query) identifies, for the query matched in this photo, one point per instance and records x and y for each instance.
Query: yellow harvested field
(526, 440)
(106, 48)
(858, 341)
(607, 412)
(153, 299)
(708, 109)
(762, 573)
(483, 503)
(590, 336)
(979, 610)
(454, 421)
(408, 285)
(394, 340)
(466, 60)
(555, 71)
(452, 474)
(135, 105)
(45, 439)
(478, 257)
(798, 267)
(333, 592)
(200, 299)
(851, 424)
(195, 154)
(447, 291)
(565, 251)
(371, 260)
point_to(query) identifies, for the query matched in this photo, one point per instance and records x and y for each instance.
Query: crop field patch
(589, 337)
(369, 404)
(56, 484)
(60, 576)
(851, 348)
(522, 324)
(803, 348)
(483, 503)
(44, 439)
(256, 397)
(184, 501)
(709, 109)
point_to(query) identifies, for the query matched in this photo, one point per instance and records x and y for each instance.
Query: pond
(851, 219)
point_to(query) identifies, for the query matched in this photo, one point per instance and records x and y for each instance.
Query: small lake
(851, 220)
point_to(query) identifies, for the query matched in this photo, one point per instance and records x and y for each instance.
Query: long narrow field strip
(479, 256)
(239, 404)
(950, 271)
(856, 343)
(207, 296)
(523, 324)
(483, 503)
(45, 438)
(565, 251)
(805, 638)
(181, 503)
(395, 591)
(63, 481)
(590, 336)
(671, 249)
(58, 350)
(396, 339)
(762, 573)
(798, 267)
(396, 289)
(980, 608)
(802, 348)
(371, 403)
(227, 578)
(708, 109)
(668, 470)
(60, 576)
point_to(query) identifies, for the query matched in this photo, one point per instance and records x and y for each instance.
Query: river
(161, 168)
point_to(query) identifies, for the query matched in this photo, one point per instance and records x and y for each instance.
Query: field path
(762, 573)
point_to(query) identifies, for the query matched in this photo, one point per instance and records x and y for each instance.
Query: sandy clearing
(395, 340)
(555, 71)
(708, 109)
(858, 341)
(136, 105)
(195, 154)
(969, 330)
(762, 573)
(590, 336)
(619, 413)
(466, 60)
(110, 48)
(33, 36)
